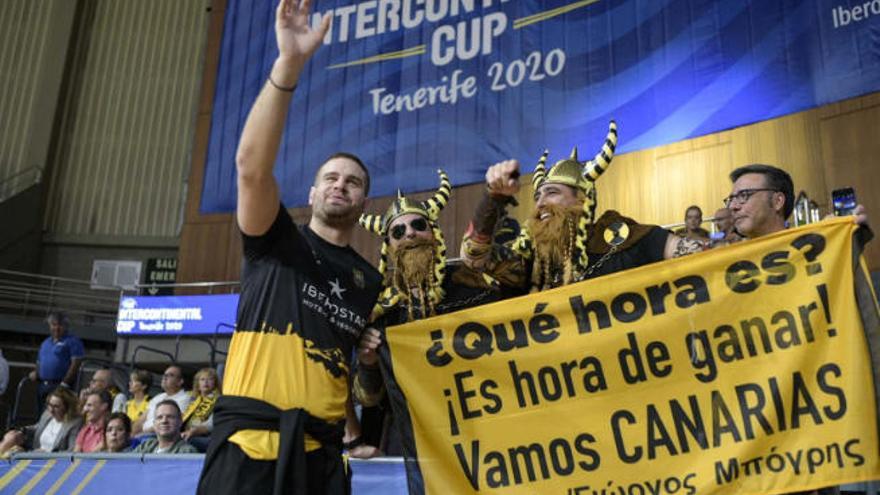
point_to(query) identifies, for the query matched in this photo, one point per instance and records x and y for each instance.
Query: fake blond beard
(553, 241)
(413, 262)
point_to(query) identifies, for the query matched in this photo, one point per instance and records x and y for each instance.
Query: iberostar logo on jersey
(330, 304)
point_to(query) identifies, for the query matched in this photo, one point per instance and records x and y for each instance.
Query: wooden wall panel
(851, 146)
(206, 248)
(689, 178)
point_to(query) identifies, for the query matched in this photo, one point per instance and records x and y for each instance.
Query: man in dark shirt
(420, 285)
(306, 296)
(562, 242)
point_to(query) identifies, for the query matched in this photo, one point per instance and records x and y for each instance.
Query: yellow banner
(744, 370)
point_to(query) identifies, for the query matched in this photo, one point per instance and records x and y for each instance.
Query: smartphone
(844, 201)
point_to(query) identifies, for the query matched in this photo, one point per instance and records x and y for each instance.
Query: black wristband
(281, 88)
(355, 442)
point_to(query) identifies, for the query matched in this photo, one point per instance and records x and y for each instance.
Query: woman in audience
(60, 423)
(198, 417)
(138, 384)
(117, 433)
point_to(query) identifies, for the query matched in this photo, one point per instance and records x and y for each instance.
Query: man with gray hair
(102, 379)
(58, 359)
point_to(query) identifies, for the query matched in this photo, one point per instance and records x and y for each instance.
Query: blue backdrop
(459, 84)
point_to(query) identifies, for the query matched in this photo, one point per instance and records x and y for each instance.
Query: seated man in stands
(103, 380)
(96, 411)
(172, 386)
(198, 419)
(167, 425)
(117, 434)
(724, 234)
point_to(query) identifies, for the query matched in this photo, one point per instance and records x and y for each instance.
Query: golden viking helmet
(574, 173)
(430, 208)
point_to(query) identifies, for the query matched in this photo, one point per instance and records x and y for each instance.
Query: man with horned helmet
(562, 241)
(306, 297)
(420, 285)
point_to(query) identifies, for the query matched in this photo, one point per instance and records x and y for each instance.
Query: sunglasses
(399, 230)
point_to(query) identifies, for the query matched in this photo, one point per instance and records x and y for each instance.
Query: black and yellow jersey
(304, 303)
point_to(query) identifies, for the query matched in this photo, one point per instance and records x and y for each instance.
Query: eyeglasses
(417, 224)
(742, 196)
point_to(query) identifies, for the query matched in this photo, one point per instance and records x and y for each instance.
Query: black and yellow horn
(540, 171)
(597, 166)
(372, 223)
(435, 204)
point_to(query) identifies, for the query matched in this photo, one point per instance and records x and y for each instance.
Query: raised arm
(258, 148)
(502, 184)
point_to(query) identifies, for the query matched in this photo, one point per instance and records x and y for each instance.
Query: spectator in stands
(724, 234)
(12, 443)
(117, 433)
(172, 386)
(96, 411)
(167, 439)
(58, 427)
(693, 218)
(418, 283)
(763, 198)
(58, 359)
(4, 373)
(198, 419)
(103, 380)
(138, 384)
(563, 240)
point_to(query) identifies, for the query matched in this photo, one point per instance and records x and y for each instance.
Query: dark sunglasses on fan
(417, 224)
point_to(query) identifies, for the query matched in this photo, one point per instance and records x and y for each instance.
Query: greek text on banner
(743, 370)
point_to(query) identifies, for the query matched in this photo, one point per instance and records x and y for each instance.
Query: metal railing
(229, 287)
(32, 295)
(710, 221)
(19, 181)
